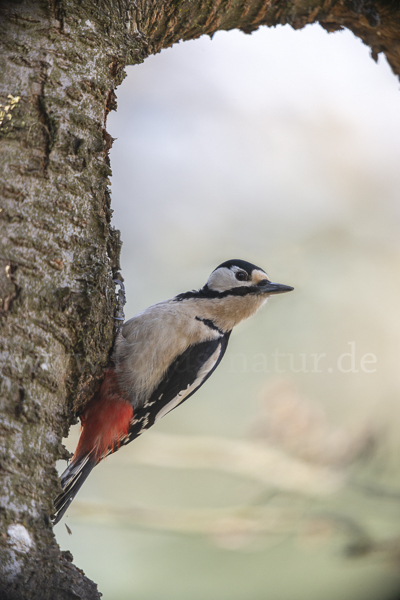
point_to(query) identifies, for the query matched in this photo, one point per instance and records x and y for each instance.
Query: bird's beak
(267, 287)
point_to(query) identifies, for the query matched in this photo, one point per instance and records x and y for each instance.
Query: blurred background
(280, 478)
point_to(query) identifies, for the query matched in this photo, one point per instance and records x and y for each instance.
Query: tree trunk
(58, 259)
(62, 60)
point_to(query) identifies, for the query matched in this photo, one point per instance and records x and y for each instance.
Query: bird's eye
(241, 276)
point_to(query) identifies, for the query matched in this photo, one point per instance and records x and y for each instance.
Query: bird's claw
(120, 283)
(121, 300)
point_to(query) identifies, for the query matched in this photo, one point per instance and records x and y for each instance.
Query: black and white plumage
(163, 356)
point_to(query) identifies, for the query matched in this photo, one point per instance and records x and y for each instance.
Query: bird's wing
(186, 374)
(151, 341)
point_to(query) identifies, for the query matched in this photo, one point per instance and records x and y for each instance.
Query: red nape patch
(105, 420)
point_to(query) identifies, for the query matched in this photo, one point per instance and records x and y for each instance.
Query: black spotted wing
(183, 378)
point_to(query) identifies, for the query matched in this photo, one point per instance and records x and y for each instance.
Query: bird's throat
(234, 309)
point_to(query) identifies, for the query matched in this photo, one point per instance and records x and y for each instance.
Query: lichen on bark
(61, 63)
(59, 256)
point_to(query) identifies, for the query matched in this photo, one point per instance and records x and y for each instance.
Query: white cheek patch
(205, 369)
(222, 279)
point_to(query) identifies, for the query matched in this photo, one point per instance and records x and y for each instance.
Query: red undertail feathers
(105, 423)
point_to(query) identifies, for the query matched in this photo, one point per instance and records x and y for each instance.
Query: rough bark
(376, 22)
(61, 61)
(59, 256)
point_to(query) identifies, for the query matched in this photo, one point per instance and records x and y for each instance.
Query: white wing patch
(203, 372)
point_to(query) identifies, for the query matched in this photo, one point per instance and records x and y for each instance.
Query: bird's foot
(121, 301)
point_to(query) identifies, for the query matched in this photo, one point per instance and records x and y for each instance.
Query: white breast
(151, 341)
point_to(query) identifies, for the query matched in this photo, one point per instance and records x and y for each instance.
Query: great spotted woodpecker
(161, 357)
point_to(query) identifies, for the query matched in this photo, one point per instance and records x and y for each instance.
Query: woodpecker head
(240, 278)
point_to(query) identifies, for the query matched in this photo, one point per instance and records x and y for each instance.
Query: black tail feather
(71, 481)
